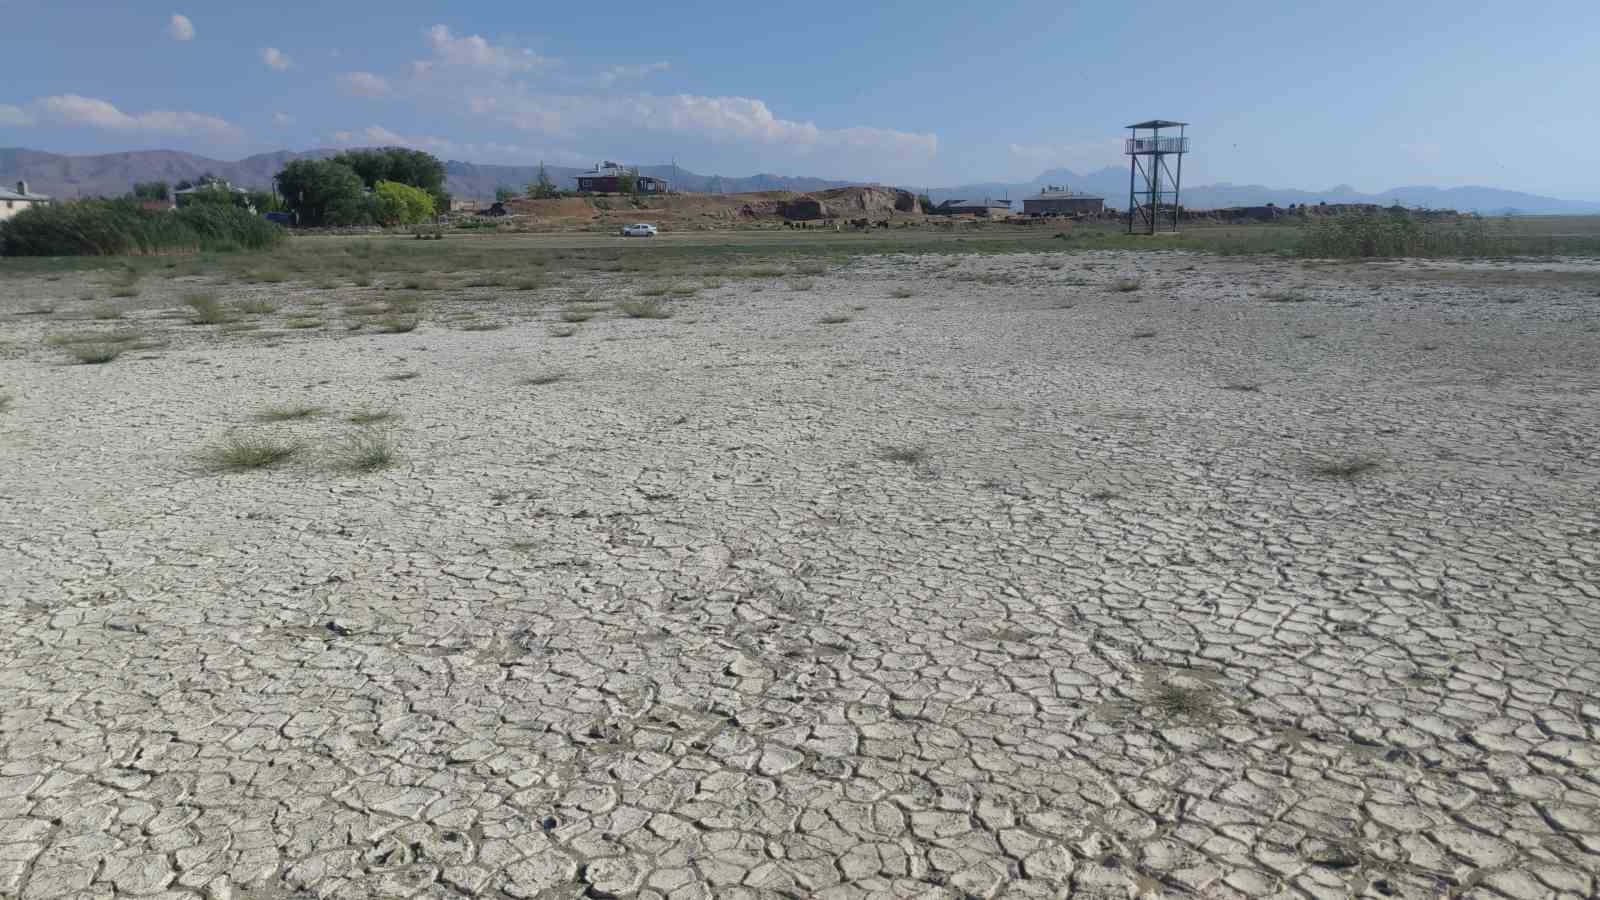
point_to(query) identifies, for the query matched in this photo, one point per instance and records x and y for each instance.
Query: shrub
(1396, 232)
(367, 452)
(576, 315)
(397, 325)
(95, 354)
(118, 227)
(645, 309)
(206, 309)
(1127, 285)
(241, 454)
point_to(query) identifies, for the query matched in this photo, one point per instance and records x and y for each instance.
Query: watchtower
(1152, 185)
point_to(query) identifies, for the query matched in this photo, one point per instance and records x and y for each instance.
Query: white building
(13, 202)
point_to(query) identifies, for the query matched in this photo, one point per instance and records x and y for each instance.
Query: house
(13, 202)
(1058, 201)
(241, 198)
(985, 208)
(606, 178)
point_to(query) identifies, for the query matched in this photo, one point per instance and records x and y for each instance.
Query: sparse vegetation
(373, 416)
(838, 318)
(402, 376)
(236, 453)
(256, 307)
(1176, 700)
(645, 308)
(1285, 296)
(397, 324)
(1346, 467)
(1126, 285)
(288, 412)
(368, 451)
(96, 353)
(563, 331)
(303, 322)
(205, 309)
(1141, 335)
(801, 284)
(543, 378)
(902, 293)
(576, 315)
(123, 228)
(909, 454)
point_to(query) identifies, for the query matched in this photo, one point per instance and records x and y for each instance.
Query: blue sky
(1289, 94)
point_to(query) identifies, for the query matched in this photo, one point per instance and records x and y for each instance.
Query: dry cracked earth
(1020, 586)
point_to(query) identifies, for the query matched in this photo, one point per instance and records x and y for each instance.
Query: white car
(639, 230)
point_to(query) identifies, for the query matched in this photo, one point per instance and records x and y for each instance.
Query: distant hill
(1112, 183)
(112, 174)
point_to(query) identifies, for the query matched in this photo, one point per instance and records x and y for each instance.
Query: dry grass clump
(1346, 467)
(303, 322)
(236, 453)
(373, 416)
(527, 284)
(802, 284)
(1144, 334)
(397, 324)
(402, 376)
(811, 269)
(404, 303)
(1176, 700)
(95, 354)
(105, 312)
(838, 318)
(563, 331)
(205, 309)
(1127, 285)
(910, 454)
(419, 283)
(645, 308)
(481, 326)
(576, 315)
(288, 412)
(543, 378)
(368, 451)
(257, 307)
(902, 293)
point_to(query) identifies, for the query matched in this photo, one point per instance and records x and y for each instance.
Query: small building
(984, 209)
(606, 178)
(13, 202)
(240, 195)
(1058, 201)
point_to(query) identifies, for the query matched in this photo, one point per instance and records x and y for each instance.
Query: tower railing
(1157, 145)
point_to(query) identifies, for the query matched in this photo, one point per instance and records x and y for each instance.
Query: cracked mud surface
(977, 594)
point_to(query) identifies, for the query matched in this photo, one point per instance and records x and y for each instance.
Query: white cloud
(736, 119)
(476, 52)
(377, 135)
(282, 119)
(275, 58)
(180, 28)
(71, 109)
(14, 115)
(614, 74)
(364, 84)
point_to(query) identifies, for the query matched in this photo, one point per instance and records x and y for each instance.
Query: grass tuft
(563, 331)
(1346, 466)
(576, 315)
(205, 309)
(397, 324)
(1176, 700)
(373, 416)
(256, 307)
(543, 378)
(645, 308)
(910, 454)
(1144, 334)
(367, 452)
(802, 284)
(402, 376)
(95, 354)
(902, 293)
(242, 454)
(1127, 285)
(838, 318)
(288, 412)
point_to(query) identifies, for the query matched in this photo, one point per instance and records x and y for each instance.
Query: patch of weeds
(576, 315)
(482, 326)
(419, 283)
(764, 272)
(402, 376)
(373, 416)
(303, 322)
(802, 284)
(397, 325)
(270, 276)
(1346, 467)
(1243, 386)
(288, 412)
(486, 281)
(1144, 334)
(205, 309)
(543, 378)
(910, 454)
(105, 312)
(242, 454)
(563, 331)
(362, 279)
(1285, 297)
(645, 308)
(527, 284)
(838, 318)
(404, 303)
(1176, 700)
(812, 269)
(367, 452)
(902, 293)
(95, 354)
(257, 307)
(1126, 285)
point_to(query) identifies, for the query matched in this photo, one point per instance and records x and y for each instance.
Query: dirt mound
(870, 201)
(555, 208)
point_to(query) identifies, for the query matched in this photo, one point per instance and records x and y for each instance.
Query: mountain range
(112, 174)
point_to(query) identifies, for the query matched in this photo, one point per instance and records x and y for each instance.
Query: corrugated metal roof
(977, 204)
(13, 195)
(1062, 195)
(1158, 123)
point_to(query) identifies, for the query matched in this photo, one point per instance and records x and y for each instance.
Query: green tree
(263, 201)
(321, 192)
(542, 187)
(505, 192)
(412, 167)
(152, 190)
(627, 182)
(402, 204)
